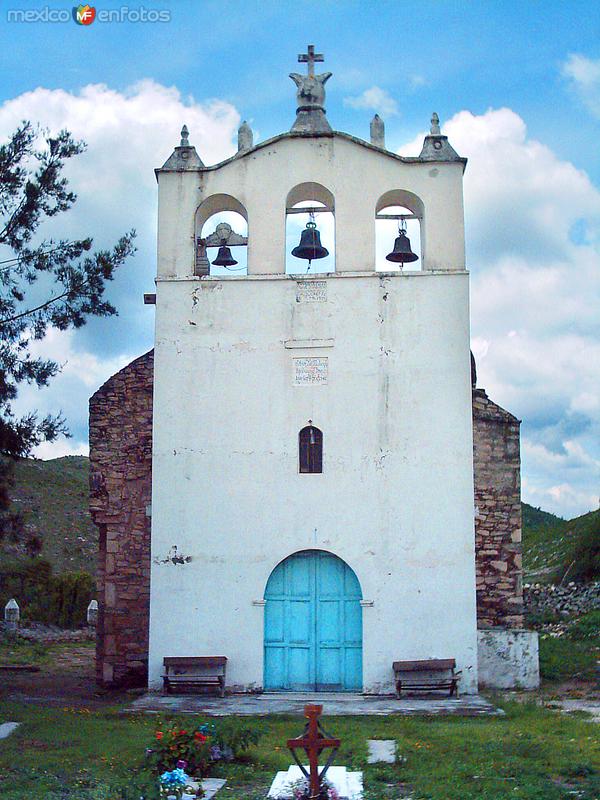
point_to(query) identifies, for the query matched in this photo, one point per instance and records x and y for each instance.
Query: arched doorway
(313, 625)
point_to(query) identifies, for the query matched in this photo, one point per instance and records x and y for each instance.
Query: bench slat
(172, 661)
(429, 664)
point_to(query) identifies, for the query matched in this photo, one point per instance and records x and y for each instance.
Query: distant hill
(548, 542)
(54, 497)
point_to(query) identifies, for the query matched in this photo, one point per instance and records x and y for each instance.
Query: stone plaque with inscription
(310, 371)
(311, 292)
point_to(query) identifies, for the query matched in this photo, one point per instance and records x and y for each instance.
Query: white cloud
(128, 134)
(81, 374)
(584, 76)
(63, 447)
(376, 99)
(561, 499)
(535, 299)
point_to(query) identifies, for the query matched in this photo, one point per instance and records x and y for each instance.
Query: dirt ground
(67, 680)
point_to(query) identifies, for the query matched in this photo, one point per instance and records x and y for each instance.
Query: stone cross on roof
(310, 59)
(310, 113)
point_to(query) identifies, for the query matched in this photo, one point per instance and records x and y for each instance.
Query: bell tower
(312, 445)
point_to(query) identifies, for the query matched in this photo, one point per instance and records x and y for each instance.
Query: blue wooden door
(313, 625)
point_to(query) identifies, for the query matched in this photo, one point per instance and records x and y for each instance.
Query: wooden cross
(310, 58)
(313, 742)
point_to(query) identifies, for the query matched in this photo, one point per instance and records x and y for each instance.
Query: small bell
(224, 257)
(310, 244)
(402, 254)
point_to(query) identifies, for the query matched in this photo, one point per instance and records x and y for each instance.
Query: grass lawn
(83, 754)
(21, 651)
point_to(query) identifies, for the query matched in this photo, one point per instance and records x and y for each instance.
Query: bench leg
(222, 686)
(398, 689)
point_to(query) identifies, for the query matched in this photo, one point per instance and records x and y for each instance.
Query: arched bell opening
(313, 625)
(399, 232)
(309, 230)
(222, 237)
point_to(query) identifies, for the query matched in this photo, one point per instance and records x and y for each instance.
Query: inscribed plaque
(309, 371)
(311, 291)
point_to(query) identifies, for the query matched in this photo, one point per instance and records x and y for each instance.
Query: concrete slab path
(293, 703)
(381, 750)
(591, 706)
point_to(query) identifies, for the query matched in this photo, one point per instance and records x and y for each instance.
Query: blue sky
(517, 88)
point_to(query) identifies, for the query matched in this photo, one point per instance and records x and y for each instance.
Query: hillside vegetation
(53, 495)
(555, 549)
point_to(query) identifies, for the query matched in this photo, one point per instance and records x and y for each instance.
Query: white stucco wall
(357, 176)
(508, 659)
(395, 499)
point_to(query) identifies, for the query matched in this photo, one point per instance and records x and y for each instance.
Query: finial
(310, 113)
(245, 137)
(185, 137)
(377, 131)
(435, 125)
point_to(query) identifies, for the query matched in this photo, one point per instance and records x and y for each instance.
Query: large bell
(310, 246)
(224, 257)
(402, 253)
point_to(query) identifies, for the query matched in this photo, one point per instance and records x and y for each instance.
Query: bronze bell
(310, 244)
(402, 253)
(224, 257)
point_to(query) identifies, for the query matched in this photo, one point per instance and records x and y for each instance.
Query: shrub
(42, 597)
(235, 737)
(586, 628)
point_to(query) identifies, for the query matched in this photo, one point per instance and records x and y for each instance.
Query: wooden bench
(426, 676)
(194, 672)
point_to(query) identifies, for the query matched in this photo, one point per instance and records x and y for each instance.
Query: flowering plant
(173, 744)
(176, 782)
(301, 790)
(199, 745)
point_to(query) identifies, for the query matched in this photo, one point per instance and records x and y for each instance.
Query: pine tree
(43, 283)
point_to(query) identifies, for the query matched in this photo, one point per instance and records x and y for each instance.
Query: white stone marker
(210, 785)
(6, 728)
(349, 785)
(12, 614)
(382, 750)
(92, 613)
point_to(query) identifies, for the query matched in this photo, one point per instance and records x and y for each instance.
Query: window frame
(310, 454)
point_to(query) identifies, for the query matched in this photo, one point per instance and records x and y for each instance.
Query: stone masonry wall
(497, 471)
(120, 496)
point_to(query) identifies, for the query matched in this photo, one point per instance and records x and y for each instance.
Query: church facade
(289, 478)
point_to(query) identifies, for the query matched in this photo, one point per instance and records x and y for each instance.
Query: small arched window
(310, 448)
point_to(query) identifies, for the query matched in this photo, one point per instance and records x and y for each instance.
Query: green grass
(21, 651)
(530, 753)
(563, 659)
